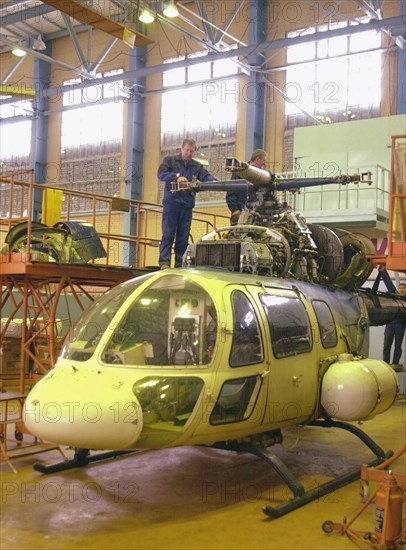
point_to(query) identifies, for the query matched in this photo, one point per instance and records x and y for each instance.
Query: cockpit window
(172, 322)
(247, 345)
(167, 402)
(236, 400)
(288, 323)
(83, 338)
(326, 324)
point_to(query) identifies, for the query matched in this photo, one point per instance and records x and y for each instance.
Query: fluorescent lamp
(146, 17)
(170, 9)
(18, 51)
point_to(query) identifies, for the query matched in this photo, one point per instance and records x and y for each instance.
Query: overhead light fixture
(146, 17)
(39, 44)
(170, 9)
(19, 52)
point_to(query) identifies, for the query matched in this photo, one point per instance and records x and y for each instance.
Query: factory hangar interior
(94, 95)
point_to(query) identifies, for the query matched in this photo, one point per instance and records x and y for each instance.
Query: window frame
(249, 405)
(321, 326)
(234, 343)
(274, 341)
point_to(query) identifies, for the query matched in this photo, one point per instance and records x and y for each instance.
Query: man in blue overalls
(178, 207)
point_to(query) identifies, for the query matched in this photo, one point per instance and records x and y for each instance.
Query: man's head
(188, 149)
(258, 158)
(402, 289)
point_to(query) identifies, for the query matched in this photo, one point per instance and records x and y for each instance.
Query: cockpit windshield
(83, 338)
(173, 321)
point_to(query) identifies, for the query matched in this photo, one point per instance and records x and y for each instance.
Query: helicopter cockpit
(173, 322)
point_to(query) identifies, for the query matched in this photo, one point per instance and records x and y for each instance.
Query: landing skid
(82, 457)
(300, 495)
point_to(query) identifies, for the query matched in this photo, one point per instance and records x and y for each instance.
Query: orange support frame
(396, 256)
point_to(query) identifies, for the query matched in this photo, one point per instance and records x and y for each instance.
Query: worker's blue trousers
(393, 331)
(176, 222)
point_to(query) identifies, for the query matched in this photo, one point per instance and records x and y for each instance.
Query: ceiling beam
(95, 19)
(219, 34)
(203, 16)
(29, 13)
(47, 58)
(75, 41)
(12, 70)
(239, 52)
(368, 9)
(94, 66)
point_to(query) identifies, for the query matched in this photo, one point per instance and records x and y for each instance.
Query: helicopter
(222, 356)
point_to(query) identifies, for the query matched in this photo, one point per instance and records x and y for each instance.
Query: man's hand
(235, 216)
(181, 179)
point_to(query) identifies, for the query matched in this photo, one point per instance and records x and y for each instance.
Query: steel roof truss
(75, 41)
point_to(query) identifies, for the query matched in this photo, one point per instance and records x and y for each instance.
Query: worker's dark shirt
(236, 200)
(173, 167)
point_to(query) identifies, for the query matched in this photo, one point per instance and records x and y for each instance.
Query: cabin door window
(289, 325)
(246, 348)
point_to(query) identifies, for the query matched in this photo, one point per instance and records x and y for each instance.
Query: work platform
(33, 291)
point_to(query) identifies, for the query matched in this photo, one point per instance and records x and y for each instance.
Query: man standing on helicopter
(178, 207)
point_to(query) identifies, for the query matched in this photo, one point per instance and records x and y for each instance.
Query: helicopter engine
(271, 239)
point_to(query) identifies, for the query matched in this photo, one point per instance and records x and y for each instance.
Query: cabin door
(293, 355)
(239, 387)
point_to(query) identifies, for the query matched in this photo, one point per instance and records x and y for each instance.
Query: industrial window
(15, 132)
(326, 324)
(236, 400)
(92, 128)
(288, 323)
(335, 79)
(189, 108)
(246, 348)
(201, 101)
(92, 114)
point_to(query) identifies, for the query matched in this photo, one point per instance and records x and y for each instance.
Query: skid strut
(81, 458)
(300, 495)
(308, 496)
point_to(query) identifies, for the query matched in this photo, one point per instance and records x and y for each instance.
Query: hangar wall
(167, 45)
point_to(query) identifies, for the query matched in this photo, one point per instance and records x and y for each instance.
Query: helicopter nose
(83, 410)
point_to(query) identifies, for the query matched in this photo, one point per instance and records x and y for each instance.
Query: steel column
(134, 151)
(255, 93)
(401, 103)
(39, 129)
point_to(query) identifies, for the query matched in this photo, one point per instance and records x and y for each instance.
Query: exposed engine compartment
(271, 239)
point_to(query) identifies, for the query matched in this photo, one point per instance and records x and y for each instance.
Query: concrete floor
(192, 498)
